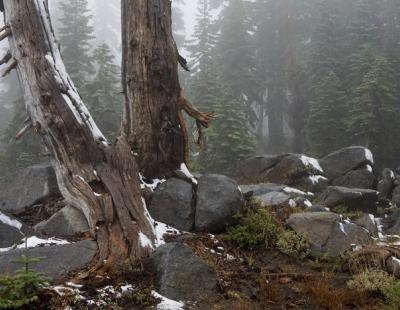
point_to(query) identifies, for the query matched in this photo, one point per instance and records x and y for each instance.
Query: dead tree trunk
(99, 178)
(154, 100)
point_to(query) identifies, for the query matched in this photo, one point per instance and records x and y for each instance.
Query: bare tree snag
(99, 178)
(153, 123)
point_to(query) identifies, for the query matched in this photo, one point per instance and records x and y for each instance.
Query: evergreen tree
(229, 140)
(235, 53)
(327, 72)
(326, 124)
(75, 34)
(103, 93)
(374, 113)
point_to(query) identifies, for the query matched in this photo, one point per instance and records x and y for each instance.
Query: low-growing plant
(391, 293)
(23, 288)
(293, 244)
(141, 297)
(254, 229)
(371, 280)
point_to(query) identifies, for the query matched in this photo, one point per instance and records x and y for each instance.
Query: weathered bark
(153, 123)
(99, 178)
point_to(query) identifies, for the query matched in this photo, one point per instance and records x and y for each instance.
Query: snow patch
(292, 203)
(167, 304)
(145, 242)
(127, 288)
(289, 190)
(315, 179)
(162, 229)
(33, 242)
(308, 203)
(341, 226)
(10, 222)
(153, 183)
(369, 168)
(184, 169)
(369, 156)
(309, 161)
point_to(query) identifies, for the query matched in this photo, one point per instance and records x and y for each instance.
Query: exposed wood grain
(99, 178)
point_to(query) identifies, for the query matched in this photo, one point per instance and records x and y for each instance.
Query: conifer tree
(103, 93)
(235, 52)
(326, 124)
(75, 34)
(374, 112)
(229, 140)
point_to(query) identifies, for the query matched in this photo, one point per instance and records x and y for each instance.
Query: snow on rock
(152, 184)
(33, 242)
(369, 156)
(315, 179)
(162, 229)
(10, 222)
(145, 242)
(309, 161)
(167, 304)
(289, 190)
(127, 288)
(184, 169)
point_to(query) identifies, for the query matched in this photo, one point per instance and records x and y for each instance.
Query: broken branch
(5, 33)
(5, 58)
(22, 131)
(7, 70)
(203, 118)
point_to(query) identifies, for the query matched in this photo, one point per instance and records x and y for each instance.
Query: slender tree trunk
(154, 100)
(99, 178)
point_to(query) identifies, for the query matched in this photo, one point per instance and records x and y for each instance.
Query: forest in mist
(303, 76)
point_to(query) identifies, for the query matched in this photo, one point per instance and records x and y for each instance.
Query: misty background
(303, 76)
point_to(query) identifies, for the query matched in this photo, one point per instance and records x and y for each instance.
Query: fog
(303, 76)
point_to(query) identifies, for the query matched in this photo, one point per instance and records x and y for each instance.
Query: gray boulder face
(67, 222)
(368, 222)
(344, 160)
(391, 223)
(26, 187)
(275, 195)
(9, 235)
(386, 184)
(327, 233)
(57, 260)
(359, 178)
(172, 204)
(281, 169)
(396, 191)
(219, 198)
(353, 198)
(318, 208)
(181, 274)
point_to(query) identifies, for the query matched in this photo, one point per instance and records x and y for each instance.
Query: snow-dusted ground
(167, 304)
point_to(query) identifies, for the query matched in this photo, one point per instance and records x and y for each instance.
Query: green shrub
(371, 280)
(254, 229)
(391, 295)
(381, 282)
(293, 244)
(23, 288)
